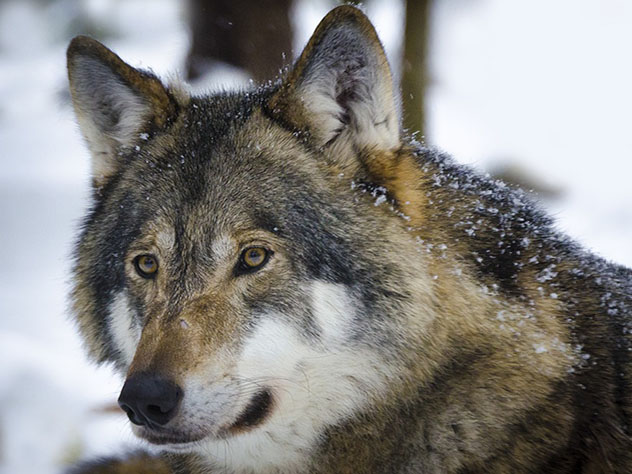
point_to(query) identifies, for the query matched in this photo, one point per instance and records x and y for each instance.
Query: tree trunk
(414, 68)
(249, 34)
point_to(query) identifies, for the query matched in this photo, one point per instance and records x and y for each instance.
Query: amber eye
(146, 265)
(254, 258)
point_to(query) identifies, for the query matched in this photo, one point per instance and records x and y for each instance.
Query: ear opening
(114, 103)
(341, 88)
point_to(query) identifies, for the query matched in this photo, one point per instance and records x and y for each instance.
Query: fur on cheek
(314, 385)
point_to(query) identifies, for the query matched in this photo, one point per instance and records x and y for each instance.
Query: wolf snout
(150, 399)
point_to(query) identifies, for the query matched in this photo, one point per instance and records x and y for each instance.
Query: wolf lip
(167, 438)
(255, 412)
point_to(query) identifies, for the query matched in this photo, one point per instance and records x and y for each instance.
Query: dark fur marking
(507, 217)
(326, 257)
(266, 220)
(106, 274)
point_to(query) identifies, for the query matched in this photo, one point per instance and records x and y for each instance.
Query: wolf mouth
(165, 438)
(255, 412)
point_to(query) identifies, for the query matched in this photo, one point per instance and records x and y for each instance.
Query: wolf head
(243, 263)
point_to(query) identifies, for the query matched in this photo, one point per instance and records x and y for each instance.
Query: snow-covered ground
(541, 84)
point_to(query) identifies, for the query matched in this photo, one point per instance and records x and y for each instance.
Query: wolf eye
(253, 258)
(146, 265)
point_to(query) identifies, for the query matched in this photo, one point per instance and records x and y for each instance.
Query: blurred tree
(254, 34)
(414, 76)
(249, 34)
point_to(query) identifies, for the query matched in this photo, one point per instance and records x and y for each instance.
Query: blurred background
(538, 93)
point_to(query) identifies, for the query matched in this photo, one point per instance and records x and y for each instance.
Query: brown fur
(149, 86)
(500, 345)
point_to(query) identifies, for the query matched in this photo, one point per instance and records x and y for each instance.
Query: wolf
(290, 283)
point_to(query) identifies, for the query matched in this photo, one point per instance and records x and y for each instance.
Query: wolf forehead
(225, 167)
(213, 153)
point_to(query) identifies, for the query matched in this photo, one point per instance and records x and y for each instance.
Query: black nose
(149, 399)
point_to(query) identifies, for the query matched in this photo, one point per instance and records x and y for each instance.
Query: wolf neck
(478, 288)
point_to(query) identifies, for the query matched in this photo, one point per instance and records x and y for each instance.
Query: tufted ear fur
(114, 103)
(340, 92)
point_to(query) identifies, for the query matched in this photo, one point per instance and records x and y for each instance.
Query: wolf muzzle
(149, 399)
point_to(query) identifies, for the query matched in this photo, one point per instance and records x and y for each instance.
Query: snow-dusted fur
(291, 285)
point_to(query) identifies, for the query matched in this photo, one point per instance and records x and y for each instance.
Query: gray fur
(437, 321)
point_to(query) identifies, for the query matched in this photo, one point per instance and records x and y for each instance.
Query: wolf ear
(341, 89)
(114, 103)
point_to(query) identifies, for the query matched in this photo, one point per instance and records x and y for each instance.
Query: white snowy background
(543, 85)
